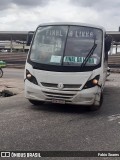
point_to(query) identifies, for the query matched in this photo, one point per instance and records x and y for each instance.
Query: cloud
(102, 4)
(84, 3)
(106, 12)
(6, 4)
(28, 14)
(30, 3)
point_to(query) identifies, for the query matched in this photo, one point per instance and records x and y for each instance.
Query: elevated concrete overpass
(22, 35)
(115, 35)
(12, 36)
(116, 39)
(9, 40)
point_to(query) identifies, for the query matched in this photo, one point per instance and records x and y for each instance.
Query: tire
(36, 102)
(97, 107)
(1, 72)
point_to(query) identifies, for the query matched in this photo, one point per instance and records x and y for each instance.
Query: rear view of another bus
(67, 64)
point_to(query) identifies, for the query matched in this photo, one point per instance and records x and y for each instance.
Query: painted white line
(113, 117)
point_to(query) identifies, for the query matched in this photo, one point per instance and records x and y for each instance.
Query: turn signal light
(95, 81)
(28, 75)
(92, 83)
(31, 78)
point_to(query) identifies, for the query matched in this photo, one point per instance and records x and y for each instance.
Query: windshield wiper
(89, 55)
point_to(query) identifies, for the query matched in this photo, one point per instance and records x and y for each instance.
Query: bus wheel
(36, 102)
(96, 107)
(1, 72)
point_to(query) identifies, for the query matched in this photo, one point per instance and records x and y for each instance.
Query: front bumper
(81, 97)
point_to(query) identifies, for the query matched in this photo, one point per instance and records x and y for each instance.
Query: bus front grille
(69, 87)
(65, 96)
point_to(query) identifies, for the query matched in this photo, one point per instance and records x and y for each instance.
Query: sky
(26, 15)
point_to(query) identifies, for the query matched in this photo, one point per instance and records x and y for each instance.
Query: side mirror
(29, 38)
(108, 42)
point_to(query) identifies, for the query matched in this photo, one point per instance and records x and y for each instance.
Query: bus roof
(72, 23)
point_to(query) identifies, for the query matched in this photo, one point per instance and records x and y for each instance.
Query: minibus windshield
(66, 45)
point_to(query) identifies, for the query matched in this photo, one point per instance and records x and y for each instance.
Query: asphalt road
(52, 127)
(13, 73)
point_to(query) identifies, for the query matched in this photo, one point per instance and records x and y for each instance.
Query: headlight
(31, 78)
(92, 83)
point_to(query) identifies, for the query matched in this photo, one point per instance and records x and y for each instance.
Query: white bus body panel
(71, 93)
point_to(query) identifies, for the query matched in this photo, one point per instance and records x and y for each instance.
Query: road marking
(113, 117)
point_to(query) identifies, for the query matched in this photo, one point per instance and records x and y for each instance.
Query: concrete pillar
(111, 49)
(116, 49)
(11, 45)
(23, 47)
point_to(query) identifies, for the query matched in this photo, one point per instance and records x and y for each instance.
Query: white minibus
(67, 64)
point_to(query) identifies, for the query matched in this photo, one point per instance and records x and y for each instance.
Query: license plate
(58, 101)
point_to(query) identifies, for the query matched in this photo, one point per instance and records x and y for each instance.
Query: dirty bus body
(67, 63)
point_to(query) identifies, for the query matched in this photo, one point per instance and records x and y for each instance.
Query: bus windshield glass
(66, 45)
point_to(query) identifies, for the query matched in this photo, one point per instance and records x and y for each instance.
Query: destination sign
(75, 33)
